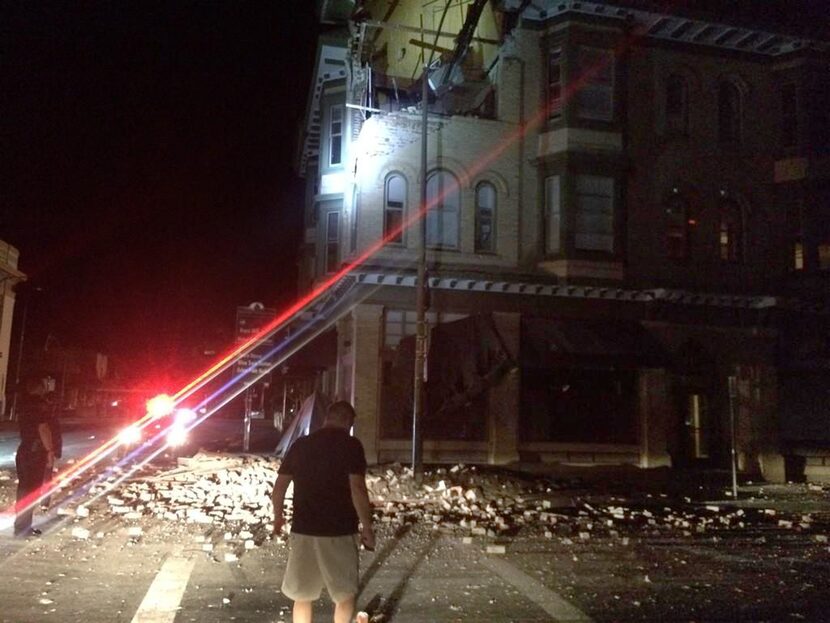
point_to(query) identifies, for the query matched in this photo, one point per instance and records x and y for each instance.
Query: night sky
(147, 174)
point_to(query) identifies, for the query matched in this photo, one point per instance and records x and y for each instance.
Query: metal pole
(420, 302)
(284, 402)
(733, 395)
(246, 433)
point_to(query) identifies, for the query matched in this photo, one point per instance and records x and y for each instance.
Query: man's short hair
(341, 411)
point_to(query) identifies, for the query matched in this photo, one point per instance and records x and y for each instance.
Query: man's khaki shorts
(318, 561)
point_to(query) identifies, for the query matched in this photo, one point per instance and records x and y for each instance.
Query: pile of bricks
(231, 494)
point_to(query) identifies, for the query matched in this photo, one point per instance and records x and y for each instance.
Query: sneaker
(361, 617)
(27, 533)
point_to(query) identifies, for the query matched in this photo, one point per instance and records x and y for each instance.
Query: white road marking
(161, 603)
(552, 603)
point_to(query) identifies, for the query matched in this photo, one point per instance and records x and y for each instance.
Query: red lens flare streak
(510, 138)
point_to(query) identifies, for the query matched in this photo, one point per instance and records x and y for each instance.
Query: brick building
(627, 210)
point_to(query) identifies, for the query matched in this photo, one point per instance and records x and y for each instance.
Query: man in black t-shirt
(328, 469)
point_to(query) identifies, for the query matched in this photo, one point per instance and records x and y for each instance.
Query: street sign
(250, 320)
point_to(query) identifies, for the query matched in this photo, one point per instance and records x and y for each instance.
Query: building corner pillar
(366, 343)
(504, 400)
(654, 418)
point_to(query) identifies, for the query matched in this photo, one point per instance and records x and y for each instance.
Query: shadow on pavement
(378, 606)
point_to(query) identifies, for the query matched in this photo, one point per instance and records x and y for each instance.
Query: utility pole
(733, 397)
(418, 398)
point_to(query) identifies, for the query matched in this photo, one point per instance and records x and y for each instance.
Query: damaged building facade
(628, 234)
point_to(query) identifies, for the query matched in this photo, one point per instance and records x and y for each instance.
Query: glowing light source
(184, 416)
(129, 436)
(176, 436)
(160, 405)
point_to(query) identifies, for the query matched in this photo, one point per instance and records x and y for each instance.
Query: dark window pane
(729, 113)
(394, 220)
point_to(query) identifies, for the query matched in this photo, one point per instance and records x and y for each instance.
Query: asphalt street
(613, 554)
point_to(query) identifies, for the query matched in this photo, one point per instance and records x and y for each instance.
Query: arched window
(677, 227)
(729, 113)
(443, 209)
(485, 217)
(677, 105)
(730, 232)
(394, 205)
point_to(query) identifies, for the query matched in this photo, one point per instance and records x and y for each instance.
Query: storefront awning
(556, 342)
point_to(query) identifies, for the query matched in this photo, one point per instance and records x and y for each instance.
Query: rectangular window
(335, 135)
(332, 242)
(824, 256)
(696, 426)
(394, 211)
(729, 238)
(789, 115)
(485, 218)
(798, 255)
(677, 106)
(353, 235)
(594, 226)
(595, 80)
(553, 215)
(555, 83)
(443, 210)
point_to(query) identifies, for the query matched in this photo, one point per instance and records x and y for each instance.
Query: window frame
(582, 213)
(439, 211)
(338, 135)
(354, 222)
(332, 245)
(490, 247)
(553, 214)
(677, 122)
(789, 118)
(730, 233)
(387, 208)
(730, 113)
(592, 85)
(555, 107)
(677, 228)
(823, 255)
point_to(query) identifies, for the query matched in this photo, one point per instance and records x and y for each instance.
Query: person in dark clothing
(328, 469)
(40, 439)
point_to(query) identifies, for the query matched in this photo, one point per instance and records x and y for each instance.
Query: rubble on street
(231, 495)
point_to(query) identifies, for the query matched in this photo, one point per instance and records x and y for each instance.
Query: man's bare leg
(343, 610)
(302, 612)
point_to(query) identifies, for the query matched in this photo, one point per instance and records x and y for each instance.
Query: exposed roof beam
(415, 29)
